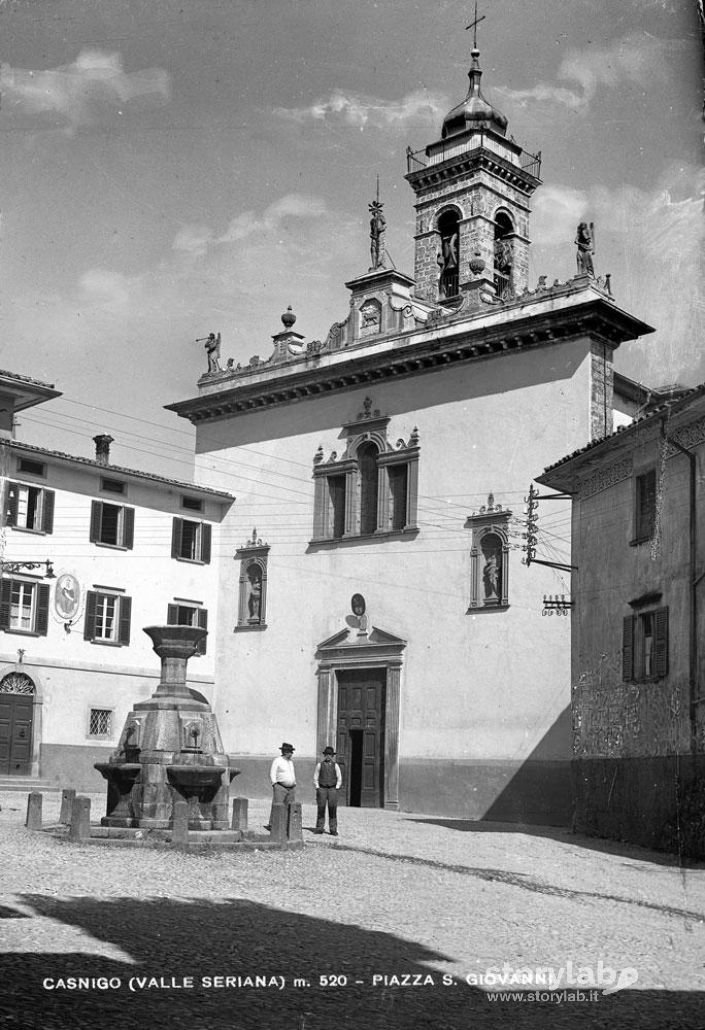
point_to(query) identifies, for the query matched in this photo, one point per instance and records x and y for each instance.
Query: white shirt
(338, 774)
(282, 771)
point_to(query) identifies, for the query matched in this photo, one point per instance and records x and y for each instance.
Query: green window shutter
(205, 543)
(42, 619)
(96, 513)
(89, 625)
(128, 534)
(628, 647)
(11, 500)
(202, 617)
(5, 602)
(48, 511)
(125, 613)
(661, 642)
(171, 615)
(176, 532)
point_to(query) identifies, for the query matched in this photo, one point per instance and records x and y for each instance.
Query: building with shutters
(638, 665)
(91, 553)
(381, 604)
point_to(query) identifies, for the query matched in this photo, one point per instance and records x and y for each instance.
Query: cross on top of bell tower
(473, 25)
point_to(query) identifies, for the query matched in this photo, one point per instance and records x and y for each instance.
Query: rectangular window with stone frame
(24, 607)
(112, 525)
(645, 486)
(29, 507)
(191, 541)
(371, 491)
(645, 646)
(108, 616)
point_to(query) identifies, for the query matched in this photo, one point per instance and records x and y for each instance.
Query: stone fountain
(170, 750)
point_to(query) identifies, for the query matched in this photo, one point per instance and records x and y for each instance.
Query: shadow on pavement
(579, 840)
(177, 939)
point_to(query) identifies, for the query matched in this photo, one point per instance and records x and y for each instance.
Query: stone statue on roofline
(584, 241)
(211, 344)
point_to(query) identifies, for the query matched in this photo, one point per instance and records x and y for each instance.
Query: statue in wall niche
(491, 577)
(584, 241)
(254, 599)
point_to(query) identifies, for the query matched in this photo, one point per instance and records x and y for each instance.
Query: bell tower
(473, 188)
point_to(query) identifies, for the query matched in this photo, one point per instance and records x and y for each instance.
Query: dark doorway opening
(360, 735)
(355, 769)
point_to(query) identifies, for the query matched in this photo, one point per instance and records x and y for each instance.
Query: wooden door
(360, 735)
(15, 734)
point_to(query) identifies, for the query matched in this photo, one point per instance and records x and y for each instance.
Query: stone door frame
(359, 651)
(6, 668)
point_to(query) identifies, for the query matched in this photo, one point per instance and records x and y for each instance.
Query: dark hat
(329, 750)
(286, 747)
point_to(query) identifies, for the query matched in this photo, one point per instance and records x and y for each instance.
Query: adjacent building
(91, 553)
(638, 623)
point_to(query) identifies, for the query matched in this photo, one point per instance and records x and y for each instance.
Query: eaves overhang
(663, 422)
(500, 332)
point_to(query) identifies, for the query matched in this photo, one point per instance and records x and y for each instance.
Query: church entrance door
(360, 735)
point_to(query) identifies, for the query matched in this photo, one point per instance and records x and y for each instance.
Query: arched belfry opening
(449, 256)
(503, 253)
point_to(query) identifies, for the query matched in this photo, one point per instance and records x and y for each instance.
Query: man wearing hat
(327, 779)
(283, 779)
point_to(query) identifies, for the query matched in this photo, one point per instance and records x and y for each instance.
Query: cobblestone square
(394, 924)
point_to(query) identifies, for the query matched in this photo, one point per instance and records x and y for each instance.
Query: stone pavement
(391, 925)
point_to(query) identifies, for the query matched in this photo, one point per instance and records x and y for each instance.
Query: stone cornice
(497, 331)
(471, 160)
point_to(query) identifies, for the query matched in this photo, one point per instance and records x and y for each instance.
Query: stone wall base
(655, 802)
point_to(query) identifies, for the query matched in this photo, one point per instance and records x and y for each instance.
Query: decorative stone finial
(288, 318)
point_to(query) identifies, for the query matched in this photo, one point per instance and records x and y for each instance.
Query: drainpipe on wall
(694, 580)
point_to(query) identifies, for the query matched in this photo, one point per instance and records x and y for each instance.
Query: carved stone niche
(489, 557)
(252, 593)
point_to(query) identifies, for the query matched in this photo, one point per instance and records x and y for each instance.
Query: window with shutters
(372, 489)
(184, 614)
(191, 541)
(107, 617)
(29, 507)
(24, 607)
(644, 506)
(645, 645)
(112, 525)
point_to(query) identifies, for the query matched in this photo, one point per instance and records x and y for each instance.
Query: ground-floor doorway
(16, 717)
(360, 735)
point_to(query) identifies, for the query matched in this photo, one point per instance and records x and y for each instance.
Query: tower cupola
(475, 112)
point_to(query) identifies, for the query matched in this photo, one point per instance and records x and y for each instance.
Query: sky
(170, 168)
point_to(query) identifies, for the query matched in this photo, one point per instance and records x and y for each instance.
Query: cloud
(293, 205)
(638, 58)
(557, 211)
(78, 92)
(361, 111)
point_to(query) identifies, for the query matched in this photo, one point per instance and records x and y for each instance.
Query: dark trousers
(282, 795)
(327, 796)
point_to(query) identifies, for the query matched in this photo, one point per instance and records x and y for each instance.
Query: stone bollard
(239, 814)
(80, 828)
(295, 828)
(67, 798)
(179, 832)
(34, 811)
(279, 821)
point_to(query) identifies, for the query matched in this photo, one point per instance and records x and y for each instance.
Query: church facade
(381, 604)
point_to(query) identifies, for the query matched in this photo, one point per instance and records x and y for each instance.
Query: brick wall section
(601, 390)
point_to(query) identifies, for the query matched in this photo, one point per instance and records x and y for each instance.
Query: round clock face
(67, 596)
